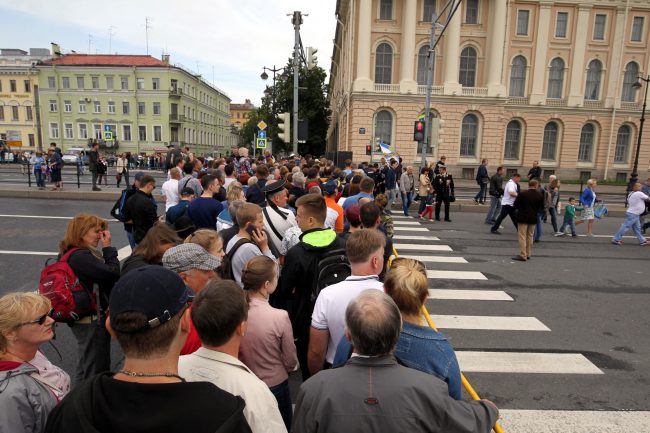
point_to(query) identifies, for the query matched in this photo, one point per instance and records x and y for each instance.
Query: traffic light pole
(427, 103)
(297, 20)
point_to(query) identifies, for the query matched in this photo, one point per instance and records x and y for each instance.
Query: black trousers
(506, 210)
(439, 203)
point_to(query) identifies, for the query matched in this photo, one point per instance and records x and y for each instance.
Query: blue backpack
(118, 208)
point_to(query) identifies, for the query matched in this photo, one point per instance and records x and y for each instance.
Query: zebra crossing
(411, 240)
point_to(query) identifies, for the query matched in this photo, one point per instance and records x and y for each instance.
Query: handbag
(452, 198)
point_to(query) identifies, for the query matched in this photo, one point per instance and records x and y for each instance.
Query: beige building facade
(239, 113)
(514, 82)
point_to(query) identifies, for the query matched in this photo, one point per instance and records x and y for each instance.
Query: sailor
(277, 218)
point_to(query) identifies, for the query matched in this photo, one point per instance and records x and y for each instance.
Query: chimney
(165, 59)
(56, 50)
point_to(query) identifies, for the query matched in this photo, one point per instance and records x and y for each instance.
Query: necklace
(138, 374)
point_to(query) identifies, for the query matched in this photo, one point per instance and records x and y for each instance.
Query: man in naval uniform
(277, 218)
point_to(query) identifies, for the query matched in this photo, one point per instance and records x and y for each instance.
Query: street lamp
(634, 177)
(265, 76)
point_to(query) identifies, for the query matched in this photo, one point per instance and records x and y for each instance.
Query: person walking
(529, 204)
(588, 200)
(569, 215)
(93, 163)
(55, 163)
(482, 179)
(102, 169)
(646, 190)
(507, 209)
(496, 192)
(444, 187)
(38, 163)
(553, 188)
(406, 189)
(425, 190)
(637, 202)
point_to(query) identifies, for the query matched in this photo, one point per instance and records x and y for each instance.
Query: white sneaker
(560, 234)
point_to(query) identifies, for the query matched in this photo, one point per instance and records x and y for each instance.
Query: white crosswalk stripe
(406, 223)
(469, 295)
(587, 421)
(525, 362)
(435, 259)
(456, 275)
(493, 323)
(415, 238)
(421, 247)
(411, 229)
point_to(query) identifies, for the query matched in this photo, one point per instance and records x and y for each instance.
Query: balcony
(475, 91)
(517, 100)
(175, 92)
(176, 118)
(435, 90)
(386, 88)
(630, 106)
(588, 103)
(556, 102)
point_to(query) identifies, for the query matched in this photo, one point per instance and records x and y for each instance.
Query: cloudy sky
(235, 38)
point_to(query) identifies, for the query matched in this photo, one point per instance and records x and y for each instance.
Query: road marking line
(456, 275)
(411, 229)
(47, 217)
(422, 247)
(526, 362)
(435, 259)
(406, 223)
(574, 421)
(123, 252)
(492, 323)
(30, 253)
(415, 238)
(469, 295)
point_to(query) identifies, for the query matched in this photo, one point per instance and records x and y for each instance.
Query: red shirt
(192, 343)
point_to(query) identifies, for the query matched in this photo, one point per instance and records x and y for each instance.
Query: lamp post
(634, 177)
(265, 76)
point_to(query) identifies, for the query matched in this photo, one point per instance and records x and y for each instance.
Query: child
(386, 219)
(569, 216)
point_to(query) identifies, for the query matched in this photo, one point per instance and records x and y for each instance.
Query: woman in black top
(158, 239)
(97, 270)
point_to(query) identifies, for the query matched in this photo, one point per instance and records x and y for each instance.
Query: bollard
(78, 180)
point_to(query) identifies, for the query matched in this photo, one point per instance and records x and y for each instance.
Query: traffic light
(284, 125)
(368, 149)
(418, 131)
(311, 57)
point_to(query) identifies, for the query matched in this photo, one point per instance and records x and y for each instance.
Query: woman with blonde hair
(235, 191)
(97, 271)
(588, 201)
(30, 385)
(210, 240)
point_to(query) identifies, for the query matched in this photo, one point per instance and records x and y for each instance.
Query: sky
(233, 38)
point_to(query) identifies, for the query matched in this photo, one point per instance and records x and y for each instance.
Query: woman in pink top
(268, 348)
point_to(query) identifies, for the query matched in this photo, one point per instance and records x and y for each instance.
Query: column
(578, 76)
(615, 69)
(363, 83)
(496, 37)
(407, 83)
(539, 78)
(451, 56)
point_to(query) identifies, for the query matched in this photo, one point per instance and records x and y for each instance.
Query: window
(111, 107)
(423, 65)
(586, 148)
(155, 83)
(549, 143)
(83, 131)
(67, 130)
(599, 27)
(157, 133)
(67, 106)
(29, 113)
(141, 108)
(126, 132)
(0, 85)
(2, 112)
(637, 29)
(522, 22)
(54, 130)
(53, 106)
(469, 136)
(384, 126)
(82, 107)
(383, 64)
(126, 109)
(28, 86)
(65, 82)
(429, 7)
(12, 86)
(621, 177)
(513, 139)
(630, 77)
(622, 144)
(556, 78)
(561, 24)
(32, 141)
(51, 84)
(386, 9)
(97, 107)
(140, 83)
(95, 82)
(142, 133)
(592, 89)
(518, 77)
(471, 12)
(109, 82)
(467, 71)
(156, 108)
(14, 112)
(80, 83)
(124, 83)
(97, 131)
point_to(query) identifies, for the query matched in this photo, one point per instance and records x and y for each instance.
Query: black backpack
(333, 267)
(225, 270)
(117, 211)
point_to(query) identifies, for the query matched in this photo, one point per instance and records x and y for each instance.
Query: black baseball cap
(152, 290)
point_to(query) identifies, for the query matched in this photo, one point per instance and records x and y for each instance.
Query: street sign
(108, 135)
(261, 143)
(362, 131)
(262, 124)
(107, 128)
(261, 134)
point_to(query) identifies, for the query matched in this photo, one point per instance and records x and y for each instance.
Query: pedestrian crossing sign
(261, 143)
(108, 135)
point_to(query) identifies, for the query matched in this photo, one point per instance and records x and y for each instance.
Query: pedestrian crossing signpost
(108, 133)
(260, 142)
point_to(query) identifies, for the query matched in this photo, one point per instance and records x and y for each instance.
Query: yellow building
(18, 101)
(514, 82)
(239, 113)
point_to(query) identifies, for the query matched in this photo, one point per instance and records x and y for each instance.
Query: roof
(106, 60)
(238, 107)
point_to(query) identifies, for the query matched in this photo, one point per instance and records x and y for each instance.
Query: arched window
(383, 64)
(518, 76)
(586, 148)
(622, 144)
(630, 77)
(469, 136)
(556, 78)
(384, 126)
(467, 74)
(423, 64)
(386, 10)
(513, 140)
(549, 144)
(592, 89)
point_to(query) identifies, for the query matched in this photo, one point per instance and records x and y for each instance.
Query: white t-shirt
(329, 311)
(636, 203)
(170, 191)
(228, 181)
(507, 199)
(330, 219)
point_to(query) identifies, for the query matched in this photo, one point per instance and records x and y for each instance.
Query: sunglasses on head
(41, 320)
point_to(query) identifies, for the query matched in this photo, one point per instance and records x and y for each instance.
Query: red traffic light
(419, 126)
(368, 149)
(418, 130)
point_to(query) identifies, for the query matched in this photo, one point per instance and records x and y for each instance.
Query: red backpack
(70, 299)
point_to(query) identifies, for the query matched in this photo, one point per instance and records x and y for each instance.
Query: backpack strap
(238, 244)
(65, 257)
(268, 218)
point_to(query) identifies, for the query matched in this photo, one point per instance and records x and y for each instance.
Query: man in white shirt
(510, 193)
(636, 204)
(277, 218)
(365, 251)
(231, 173)
(219, 313)
(170, 188)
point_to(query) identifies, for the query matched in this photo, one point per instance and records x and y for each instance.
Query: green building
(130, 103)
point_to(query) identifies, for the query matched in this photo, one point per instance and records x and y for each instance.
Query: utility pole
(146, 31)
(427, 104)
(297, 21)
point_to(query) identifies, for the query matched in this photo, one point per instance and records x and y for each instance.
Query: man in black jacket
(496, 192)
(93, 162)
(482, 179)
(140, 209)
(443, 183)
(535, 171)
(528, 204)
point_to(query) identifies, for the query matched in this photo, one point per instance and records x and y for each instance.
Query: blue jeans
(553, 213)
(40, 179)
(392, 196)
(570, 222)
(480, 196)
(538, 226)
(633, 222)
(495, 208)
(131, 238)
(283, 396)
(407, 199)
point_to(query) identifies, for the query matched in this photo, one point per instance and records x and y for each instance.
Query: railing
(630, 106)
(588, 103)
(386, 88)
(175, 92)
(435, 90)
(517, 100)
(556, 102)
(475, 91)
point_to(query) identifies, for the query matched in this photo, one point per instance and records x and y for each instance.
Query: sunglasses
(41, 320)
